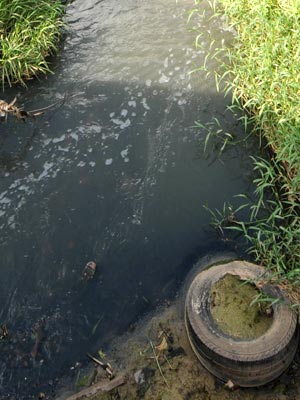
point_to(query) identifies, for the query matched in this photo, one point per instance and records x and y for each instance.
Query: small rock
(143, 375)
(41, 395)
(139, 377)
(230, 385)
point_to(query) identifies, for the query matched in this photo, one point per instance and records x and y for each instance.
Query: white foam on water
(63, 149)
(144, 103)
(117, 121)
(164, 79)
(74, 136)
(132, 103)
(47, 141)
(125, 124)
(95, 128)
(108, 161)
(182, 102)
(124, 154)
(11, 222)
(5, 200)
(47, 167)
(59, 139)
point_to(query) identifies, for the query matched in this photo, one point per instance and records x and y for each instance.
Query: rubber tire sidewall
(247, 362)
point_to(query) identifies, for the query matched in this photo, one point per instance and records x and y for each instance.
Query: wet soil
(176, 374)
(235, 311)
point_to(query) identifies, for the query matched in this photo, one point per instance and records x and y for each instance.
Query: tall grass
(262, 73)
(29, 33)
(265, 76)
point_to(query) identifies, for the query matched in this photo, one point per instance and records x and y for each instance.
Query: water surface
(111, 173)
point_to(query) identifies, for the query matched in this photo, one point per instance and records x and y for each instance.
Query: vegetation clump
(262, 73)
(29, 33)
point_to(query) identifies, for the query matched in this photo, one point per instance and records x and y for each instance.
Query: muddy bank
(176, 373)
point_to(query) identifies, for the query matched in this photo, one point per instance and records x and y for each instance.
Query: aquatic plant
(29, 33)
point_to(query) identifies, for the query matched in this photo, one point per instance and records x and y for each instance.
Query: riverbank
(262, 73)
(29, 33)
(174, 373)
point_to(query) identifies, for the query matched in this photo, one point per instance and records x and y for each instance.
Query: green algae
(233, 310)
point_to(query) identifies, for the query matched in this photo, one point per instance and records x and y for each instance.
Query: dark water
(111, 173)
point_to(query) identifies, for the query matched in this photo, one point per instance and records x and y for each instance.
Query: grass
(264, 73)
(261, 72)
(29, 33)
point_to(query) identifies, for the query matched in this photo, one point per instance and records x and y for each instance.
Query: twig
(41, 110)
(106, 366)
(100, 387)
(166, 358)
(157, 363)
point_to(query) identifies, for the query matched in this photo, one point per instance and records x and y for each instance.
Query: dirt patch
(234, 311)
(172, 372)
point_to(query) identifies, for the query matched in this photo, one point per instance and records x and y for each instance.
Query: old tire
(245, 362)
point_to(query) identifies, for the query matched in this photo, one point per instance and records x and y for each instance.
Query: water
(112, 173)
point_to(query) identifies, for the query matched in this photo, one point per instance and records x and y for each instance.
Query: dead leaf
(163, 346)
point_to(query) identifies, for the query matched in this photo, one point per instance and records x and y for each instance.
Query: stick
(47, 107)
(100, 387)
(106, 366)
(158, 364)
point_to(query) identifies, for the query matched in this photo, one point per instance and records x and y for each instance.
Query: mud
(234, 310)
(179, 376)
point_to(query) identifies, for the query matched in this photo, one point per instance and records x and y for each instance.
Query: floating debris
(39, 336)
(3, 332)
(19, 112)
(11, 108)
(89, 271)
